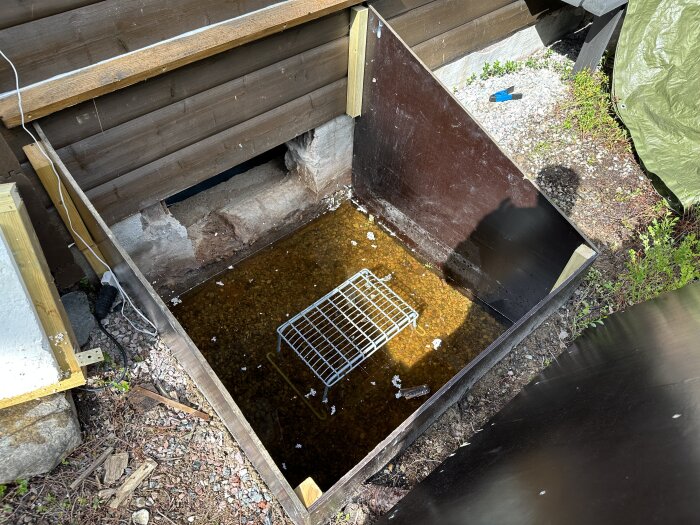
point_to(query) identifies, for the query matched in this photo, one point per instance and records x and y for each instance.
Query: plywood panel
(15, 12)
(423, 163)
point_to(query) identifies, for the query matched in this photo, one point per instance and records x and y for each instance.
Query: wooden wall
(441, 31)
(131, 148)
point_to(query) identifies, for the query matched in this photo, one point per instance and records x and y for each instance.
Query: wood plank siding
(132, 147)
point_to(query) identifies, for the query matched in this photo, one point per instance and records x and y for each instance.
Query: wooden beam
(51, 181)
(440, 16)
(188, 166)
(308, 492)
(26, 250)
(356, 60)
(124, 148)
(15, 12)
(132, 482)
(101, 114)
(476, 34)
(581, 254)
(48, 96)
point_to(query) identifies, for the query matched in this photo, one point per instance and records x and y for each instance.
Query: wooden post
(26, 250)
(577, 259)
(308, 492)
(71, 218)
(356, 60)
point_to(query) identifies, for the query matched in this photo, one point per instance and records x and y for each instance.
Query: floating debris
(298, 445)
(370, 236)
(437, 343)
(213, 339)
(219, 283)
(311, 393)
(416, 391)
(175, 301)
(332, 410)
(396, 381)
(354, 243)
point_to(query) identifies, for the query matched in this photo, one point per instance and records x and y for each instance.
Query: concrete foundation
(180, 246)
(546, 31)
(35, 436)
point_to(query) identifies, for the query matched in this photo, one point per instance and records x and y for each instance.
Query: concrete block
(26, 359)
(156, 241)
(322, 158)
(35, 436)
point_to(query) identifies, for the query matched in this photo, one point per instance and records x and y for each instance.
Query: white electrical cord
(124, 295)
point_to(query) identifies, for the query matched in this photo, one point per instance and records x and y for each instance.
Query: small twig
(164, 516)
(101, 459)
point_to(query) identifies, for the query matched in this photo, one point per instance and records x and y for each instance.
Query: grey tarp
(656, 82)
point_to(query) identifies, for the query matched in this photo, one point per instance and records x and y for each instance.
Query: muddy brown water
(233, 320)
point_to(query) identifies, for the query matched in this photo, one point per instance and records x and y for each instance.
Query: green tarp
(656, 82)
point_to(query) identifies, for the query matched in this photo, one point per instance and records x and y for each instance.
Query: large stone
(77, 307)
(322, 158)
(35, 436)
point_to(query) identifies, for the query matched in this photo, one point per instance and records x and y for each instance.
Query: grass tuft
(590, 110)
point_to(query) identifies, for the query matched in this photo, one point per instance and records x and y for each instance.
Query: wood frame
(22, 239)
(356, 60)
(61, 91)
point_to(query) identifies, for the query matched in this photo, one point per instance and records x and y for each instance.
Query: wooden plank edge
(59, 92)
(356, 60)
(581, 254)
(71, 218)
(64, 350)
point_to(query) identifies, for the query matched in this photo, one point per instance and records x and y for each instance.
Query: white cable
(124, 295)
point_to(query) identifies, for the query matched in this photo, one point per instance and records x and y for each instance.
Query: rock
(322, 158)
(77, 307)
(35, 436)
(140, 517)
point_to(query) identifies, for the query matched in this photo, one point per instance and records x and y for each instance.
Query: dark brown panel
(439, 16)
(81, 121)
(423, 163)
(78, 38)
(391, 8)
(158, 180)
(15, 12)
(476, 34)
(102, 157)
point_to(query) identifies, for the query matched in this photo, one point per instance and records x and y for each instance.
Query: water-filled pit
(233, 317)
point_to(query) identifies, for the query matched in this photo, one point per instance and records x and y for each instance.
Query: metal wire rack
(346, 326)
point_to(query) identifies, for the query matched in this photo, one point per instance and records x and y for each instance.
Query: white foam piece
(26, 359)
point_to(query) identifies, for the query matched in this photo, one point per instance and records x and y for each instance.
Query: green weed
(122, 386)
(664, 262)
(590, 110)
(3, 491)
(22, 486)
